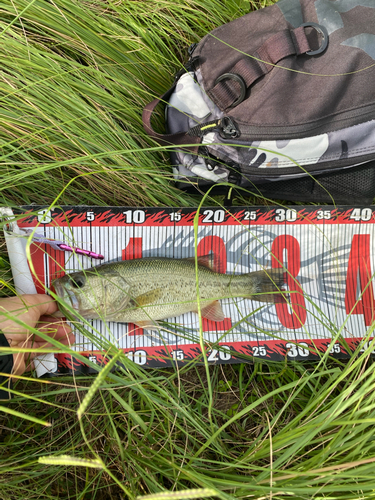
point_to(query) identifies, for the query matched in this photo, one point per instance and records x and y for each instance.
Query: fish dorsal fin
(205, 261)
(213, 311)
(147, 298)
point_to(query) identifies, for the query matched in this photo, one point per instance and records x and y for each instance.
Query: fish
(144, 291)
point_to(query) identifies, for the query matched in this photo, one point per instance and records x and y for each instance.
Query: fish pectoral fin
(148, 324)
(148, 298)
(144, 300)
(213, 311)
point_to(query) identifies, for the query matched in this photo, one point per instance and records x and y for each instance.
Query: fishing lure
(60, 245)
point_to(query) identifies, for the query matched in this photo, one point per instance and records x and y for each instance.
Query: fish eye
(78, 282)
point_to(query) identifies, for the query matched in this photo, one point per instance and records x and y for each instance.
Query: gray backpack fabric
(280, 101)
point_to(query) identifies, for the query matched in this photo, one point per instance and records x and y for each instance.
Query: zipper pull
(202, 129)
(228, 128)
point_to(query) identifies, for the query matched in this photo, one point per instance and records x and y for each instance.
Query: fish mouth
(66, 295)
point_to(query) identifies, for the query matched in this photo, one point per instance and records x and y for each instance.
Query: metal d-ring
(323, 31)
(238, 79)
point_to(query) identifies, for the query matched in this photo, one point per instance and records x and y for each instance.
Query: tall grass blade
(182, 495)
(71, 461)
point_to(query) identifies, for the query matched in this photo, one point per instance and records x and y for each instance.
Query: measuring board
(327, 253)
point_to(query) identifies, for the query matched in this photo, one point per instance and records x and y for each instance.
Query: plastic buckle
(323, 31)
(238, 79)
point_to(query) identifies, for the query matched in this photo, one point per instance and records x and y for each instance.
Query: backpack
(281, 102)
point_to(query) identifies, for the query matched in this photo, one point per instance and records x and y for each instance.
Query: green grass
(74, 78)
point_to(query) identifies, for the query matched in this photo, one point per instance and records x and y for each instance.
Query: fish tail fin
(269, 286)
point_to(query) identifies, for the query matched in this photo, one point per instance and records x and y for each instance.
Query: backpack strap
(181, 139)
(230, 88)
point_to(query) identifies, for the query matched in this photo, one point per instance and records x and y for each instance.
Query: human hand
(35, 311)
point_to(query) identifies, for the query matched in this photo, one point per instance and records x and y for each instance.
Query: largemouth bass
(142, 291)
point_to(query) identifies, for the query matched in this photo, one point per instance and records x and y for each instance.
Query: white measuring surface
(327, 253)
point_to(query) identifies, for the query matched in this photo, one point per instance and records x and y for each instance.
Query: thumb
(40, 303)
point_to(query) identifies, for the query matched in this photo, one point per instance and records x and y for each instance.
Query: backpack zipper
(226, 127)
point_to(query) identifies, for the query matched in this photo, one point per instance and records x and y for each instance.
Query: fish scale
(142, 291)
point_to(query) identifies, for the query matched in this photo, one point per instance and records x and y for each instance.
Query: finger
(19, 358)
(69, 340)
(29, 343)
(51, 319)
(41, 304)
(53, 327)
(60, 334)
(18, 363)
(29, 340)
(44, 304)
(26, 308)
(24, 361)
(29, 363)
(30, 367)
(35, 345)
